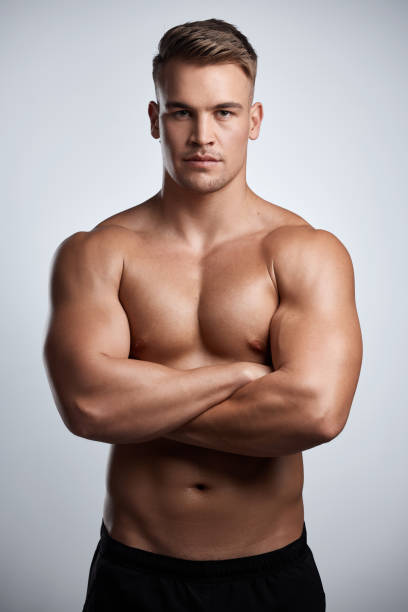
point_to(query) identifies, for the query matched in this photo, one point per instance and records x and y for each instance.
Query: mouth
(202, 161)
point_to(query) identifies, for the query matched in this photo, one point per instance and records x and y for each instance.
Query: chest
(182, 308)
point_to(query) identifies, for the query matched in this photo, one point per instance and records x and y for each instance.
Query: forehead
(198, 85)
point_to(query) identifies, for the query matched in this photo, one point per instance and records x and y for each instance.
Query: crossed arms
(316, 350)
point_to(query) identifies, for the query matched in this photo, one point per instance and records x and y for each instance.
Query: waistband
(136, 558)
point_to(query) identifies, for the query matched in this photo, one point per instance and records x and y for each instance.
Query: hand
(255, 370)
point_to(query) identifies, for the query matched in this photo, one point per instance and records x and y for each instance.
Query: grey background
(76, 148)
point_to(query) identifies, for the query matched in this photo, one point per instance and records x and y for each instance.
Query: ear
(255, 120)
(153, 110)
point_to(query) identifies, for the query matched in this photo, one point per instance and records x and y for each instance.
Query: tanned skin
(208, 335)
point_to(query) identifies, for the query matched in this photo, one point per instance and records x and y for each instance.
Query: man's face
(189, 123)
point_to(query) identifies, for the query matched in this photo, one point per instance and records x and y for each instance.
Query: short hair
(210, 41)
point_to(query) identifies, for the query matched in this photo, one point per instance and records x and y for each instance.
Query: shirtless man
(210, 337)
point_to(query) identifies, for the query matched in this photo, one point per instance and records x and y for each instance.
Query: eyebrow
(176, 104)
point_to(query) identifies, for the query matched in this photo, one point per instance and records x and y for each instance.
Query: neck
(204, 219)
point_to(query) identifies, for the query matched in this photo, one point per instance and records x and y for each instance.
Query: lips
(201, 158)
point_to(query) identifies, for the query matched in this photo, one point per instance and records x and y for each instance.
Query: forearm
(268, 417)
(132, 401)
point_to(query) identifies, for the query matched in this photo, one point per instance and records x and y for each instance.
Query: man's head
(200, 67)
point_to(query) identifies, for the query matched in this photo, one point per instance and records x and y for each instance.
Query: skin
(209, 273)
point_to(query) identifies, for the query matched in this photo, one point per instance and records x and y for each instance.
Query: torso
(187, 311)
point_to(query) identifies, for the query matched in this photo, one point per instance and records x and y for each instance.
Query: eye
(225, 111)
(180, 113)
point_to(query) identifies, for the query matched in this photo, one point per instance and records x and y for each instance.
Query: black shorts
(124, 578)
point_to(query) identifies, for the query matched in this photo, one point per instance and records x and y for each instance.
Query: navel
(200, 486)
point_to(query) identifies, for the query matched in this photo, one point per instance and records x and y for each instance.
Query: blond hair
(211, 41)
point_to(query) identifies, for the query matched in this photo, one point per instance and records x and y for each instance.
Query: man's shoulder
(294, 244)
(276, 218)
(302, 238)
(111, 235)
(299, 251)
(100, 239)
(102, 249)
(287, 230)
(133, 220)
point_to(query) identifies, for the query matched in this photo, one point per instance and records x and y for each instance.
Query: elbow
(75, 408)
(328, 425)
(83, 421)
(317, 419)
(332, 407)
(326, 430)
(334, 427)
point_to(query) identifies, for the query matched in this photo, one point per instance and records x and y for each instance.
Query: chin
(208, 185)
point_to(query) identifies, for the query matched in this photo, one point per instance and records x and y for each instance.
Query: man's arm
(100, 393)
(316, 348)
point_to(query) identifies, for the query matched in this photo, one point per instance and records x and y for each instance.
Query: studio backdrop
(76, 148)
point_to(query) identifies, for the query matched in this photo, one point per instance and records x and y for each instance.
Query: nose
(201, 133)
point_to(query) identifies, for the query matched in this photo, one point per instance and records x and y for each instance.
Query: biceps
(78, 334)
(322, 350)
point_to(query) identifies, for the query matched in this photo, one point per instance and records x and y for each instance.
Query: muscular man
(210, 337)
